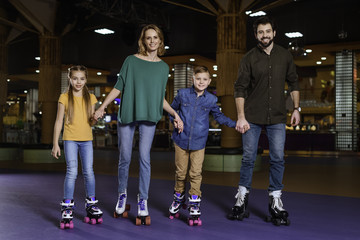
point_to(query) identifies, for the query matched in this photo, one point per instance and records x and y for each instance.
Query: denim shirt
(194, 112)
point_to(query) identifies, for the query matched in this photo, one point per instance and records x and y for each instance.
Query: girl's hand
(99, 113)
(56, 152)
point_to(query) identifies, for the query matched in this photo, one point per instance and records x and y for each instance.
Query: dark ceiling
(187, 31)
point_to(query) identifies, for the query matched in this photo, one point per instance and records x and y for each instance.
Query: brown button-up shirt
(261, 82)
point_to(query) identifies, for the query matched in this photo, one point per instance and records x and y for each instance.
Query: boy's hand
(178, 123)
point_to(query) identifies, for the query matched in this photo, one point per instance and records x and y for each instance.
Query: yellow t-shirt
(79, 129)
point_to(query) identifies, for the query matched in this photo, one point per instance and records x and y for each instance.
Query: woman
(141, 82)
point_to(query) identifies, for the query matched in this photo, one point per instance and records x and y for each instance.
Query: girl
(141, 82)
(78, 106)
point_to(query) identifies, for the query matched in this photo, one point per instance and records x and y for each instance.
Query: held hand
(242, 125)
(56, 152)
(295, 118)
(178, 123)
(99, 113)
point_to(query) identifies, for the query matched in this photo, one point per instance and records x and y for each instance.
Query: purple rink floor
(30, 209)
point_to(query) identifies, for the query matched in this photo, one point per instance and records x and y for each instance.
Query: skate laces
(122, 198)
(277, 203)
(141, 203)
(240, 196)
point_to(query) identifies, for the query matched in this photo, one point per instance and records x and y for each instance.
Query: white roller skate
(94, 214)
(238, 212)
(121, 209)
(278, 215)
(178, 202)
(194, 210)
(143, 217)
(67, 210)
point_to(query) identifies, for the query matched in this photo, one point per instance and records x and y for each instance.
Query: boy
(194, 106)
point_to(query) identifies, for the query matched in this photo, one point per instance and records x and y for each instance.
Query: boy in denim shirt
(193, 105)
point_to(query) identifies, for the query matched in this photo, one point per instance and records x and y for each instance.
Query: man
(260, 103)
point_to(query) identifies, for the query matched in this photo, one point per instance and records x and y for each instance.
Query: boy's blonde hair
(85, 93)
(201, 69)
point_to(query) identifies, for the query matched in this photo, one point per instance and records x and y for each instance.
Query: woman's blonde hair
(85, 93)
(141, 41)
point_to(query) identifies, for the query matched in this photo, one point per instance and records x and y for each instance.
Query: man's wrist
(297, 108)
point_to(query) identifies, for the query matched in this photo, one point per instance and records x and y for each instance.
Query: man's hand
(295, 118)
(242, 125)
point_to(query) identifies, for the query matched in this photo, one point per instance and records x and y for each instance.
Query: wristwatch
(297, 108)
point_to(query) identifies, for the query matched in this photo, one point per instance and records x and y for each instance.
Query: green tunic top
(142, 85)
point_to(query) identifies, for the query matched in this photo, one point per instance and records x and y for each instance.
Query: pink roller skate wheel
(62, 225)
(100, 220)
(71, 225)
(86, 219)
(171, 217)
(199, 222)
(191, 222)
(93, 221)
(177, 215)
(67, 225)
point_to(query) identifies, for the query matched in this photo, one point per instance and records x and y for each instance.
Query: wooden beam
(16, 25)
(189, 7)
(208, 5)
(224, 5)
(28, 15)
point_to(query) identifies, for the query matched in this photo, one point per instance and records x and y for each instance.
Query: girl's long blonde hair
(85, 94)
(141, 42)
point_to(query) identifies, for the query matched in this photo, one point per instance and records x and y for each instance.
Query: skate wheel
(199, 222)
(277, 222)
(67, 225)
(147, 221)
(138, 221)
(93, 221)
(177, 215)
(267, 219)
(86, 219)
(62, 225)
(71, 225)
(287, 223)
(125, 215)
(115, 215)
(191, 222)
(100, 221)
(171, 217)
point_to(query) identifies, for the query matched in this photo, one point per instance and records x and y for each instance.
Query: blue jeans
(276, 135)
(71, 150)
(125, 144)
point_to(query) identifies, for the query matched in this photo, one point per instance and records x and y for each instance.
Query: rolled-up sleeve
(243, 80)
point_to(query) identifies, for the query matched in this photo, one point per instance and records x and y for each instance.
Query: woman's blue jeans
(125, 144)
(71, 150)
(276, 135)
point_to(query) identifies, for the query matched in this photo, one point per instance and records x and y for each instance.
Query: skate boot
(121, 209)
(179, 201)
(194, 210)
(67, 210)
(238, 212)
(93, 211)
(143, 217)
(278, 215)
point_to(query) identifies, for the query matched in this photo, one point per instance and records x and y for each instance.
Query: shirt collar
(192, 90)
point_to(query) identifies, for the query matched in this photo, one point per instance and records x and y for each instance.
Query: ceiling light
(215, 68)
(99, 73)
(214, 75)
(104, 31)
(37, 58)
(293, 34)
(167, 47)
(308, 50)
(257, 14)
(323, 58)
(37, 71)
(248, 12)
(8, 80)
(318, 62)
(192, 59)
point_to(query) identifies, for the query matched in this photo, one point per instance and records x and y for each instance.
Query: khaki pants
(182, 159)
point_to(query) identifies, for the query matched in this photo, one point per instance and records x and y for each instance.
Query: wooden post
(49, 83)
(231, 46)
(3, 72)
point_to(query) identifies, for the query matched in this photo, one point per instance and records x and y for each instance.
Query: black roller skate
(238, 212)
(121, 209)
(143, 217)
(67, 210)
(194, 210)
(278, 215)
(179, 201)
(93, 211)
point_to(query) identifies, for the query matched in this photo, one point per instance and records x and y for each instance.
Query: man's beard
(265, 45)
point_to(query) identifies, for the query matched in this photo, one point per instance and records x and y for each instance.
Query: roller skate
(238, 212)
(278, 215)
(143, 217)
(179, 201)
(194, 210)
(121, 209)
(93, 211)
(67, 210)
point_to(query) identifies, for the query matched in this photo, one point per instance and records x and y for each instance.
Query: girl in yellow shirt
(76, 107)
